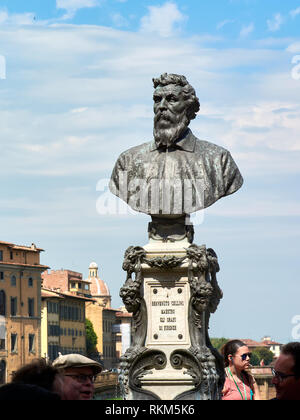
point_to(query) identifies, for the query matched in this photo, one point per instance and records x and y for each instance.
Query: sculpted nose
(163, 104)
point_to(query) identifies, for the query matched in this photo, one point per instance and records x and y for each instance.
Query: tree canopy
(218, 343)
(91, 337)
(261, 353)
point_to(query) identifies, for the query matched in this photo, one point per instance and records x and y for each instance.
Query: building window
(2, 372)
(1, 275)
(30, 307)
(13, 281)
(2, 303)
(30, 282)
(1, 255)
(53, 308)
(54, 330)
(13, 343)
(13, 306)
(31, 343)
(11, 255)
(53, 351)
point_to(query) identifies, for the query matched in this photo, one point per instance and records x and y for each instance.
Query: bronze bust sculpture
(176, 174)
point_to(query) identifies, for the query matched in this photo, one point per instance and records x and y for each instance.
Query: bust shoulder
(204, 146)
(136, 150)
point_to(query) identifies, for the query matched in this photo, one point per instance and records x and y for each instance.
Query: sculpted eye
(172, 98)
(156, 99)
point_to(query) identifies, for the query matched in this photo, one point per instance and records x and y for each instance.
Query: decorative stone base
(171, 297)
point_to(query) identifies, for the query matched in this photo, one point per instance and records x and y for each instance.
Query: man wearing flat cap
(78, 376)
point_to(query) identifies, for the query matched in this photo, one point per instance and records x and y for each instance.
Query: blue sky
(77, 91)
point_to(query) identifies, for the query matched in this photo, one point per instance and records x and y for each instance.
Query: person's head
(236, 354)
(175, 105)
(286, 373)
(78, 374)
(39, 373)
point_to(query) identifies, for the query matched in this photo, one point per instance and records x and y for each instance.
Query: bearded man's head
(175, 105)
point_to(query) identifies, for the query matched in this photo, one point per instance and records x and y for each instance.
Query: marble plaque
(168, 313)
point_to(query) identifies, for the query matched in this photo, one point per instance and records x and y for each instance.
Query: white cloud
(162, 20)
(224, 23)
(275, 23)
(119, 20)
(246, 30)
(16, 19)
(295, 12)
(73, 5)
(294, 47)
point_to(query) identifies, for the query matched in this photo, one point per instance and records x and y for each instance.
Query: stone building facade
(102, 316)
(63, 323)
(123, 331)
(20, 306)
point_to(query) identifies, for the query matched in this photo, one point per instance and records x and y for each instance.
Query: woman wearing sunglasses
(239, 383)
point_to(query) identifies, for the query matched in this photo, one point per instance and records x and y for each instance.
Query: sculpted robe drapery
(190, 175)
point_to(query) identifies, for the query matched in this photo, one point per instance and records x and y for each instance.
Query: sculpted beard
(168, 127)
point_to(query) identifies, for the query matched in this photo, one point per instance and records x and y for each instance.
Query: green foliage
(218, 343)
(255, 359)
(91, 337)
(261, 353)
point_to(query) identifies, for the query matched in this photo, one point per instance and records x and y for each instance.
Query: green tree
(91, 337)
(255, 359)
(261, 353)
(218, 343)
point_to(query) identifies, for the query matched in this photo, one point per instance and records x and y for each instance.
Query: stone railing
(106, 380)
(263, 376)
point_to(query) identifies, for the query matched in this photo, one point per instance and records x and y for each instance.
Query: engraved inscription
(168, 314)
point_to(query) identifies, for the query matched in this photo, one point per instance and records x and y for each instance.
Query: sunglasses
(245, 355)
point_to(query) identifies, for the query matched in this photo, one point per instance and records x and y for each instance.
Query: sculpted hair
(293, 349)
(231, 347)
(188, 91)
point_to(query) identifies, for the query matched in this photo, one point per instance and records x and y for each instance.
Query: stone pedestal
(171, 289)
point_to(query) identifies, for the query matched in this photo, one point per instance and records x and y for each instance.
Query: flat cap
(76, 361)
